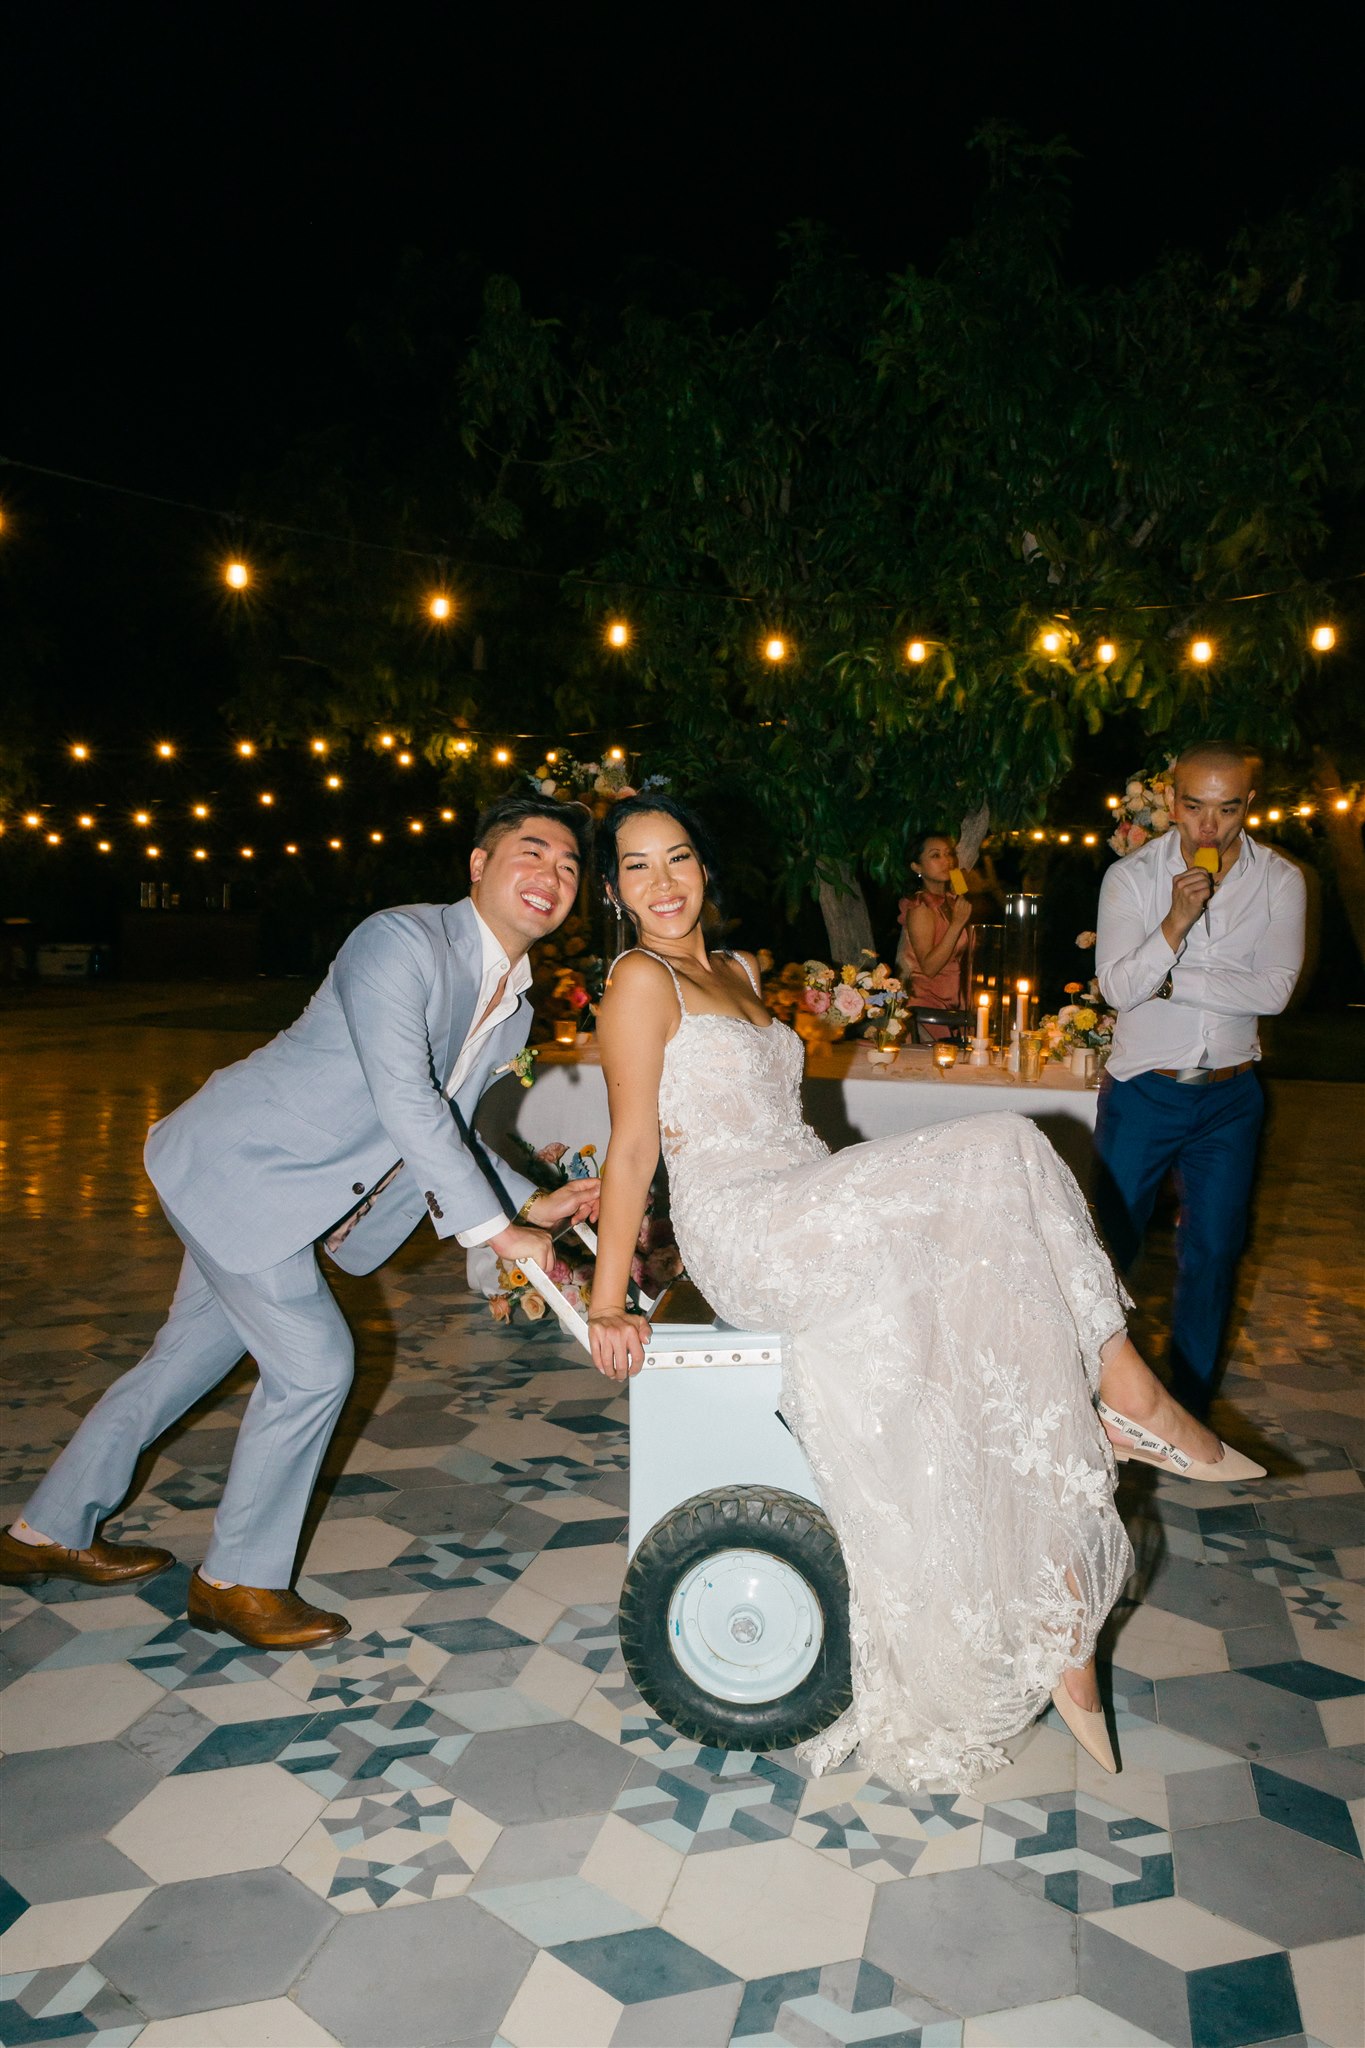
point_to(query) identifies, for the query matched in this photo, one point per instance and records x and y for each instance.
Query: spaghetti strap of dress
(726, 954)
(677, 985)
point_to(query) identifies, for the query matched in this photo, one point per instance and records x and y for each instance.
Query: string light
(335, 845)
(318, 746)
(1253, 822)
(501, 756)
(1051, 642)
(80, 752)
(165, 749)
(1106, 652)
(1113, 802)
(462, 747)
(1064, 839)
(917, 651)
(142, 817)
(439, 606)
(447, 817)
(290, 847)
(103, 846)
(32, 818)
(153, 853)
(248, 853)
(618, 633)
(1274, 817)
(54, 838)
(267, 797)
(236, 575)
(1305, 811)
(334, 782)
(376, 837)
(616, 753)
(1201, 651)
(1324, 639)
(85, 820)
(386, 739)
(1091, 839)
(414, 824)
(199, 810)
(552, 756)
(200, 853)
(1038, 835)
(775, 648)
(246, 749)
(1343, 803)
(404, 760)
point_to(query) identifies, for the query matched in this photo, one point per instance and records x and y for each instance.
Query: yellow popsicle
(957, 882)
(1207, 857)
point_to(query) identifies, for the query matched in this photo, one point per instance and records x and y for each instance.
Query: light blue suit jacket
(274, 1151)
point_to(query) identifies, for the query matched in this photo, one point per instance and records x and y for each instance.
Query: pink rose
(500, 1307)
(578, 997)
(816, 1000)
(550, 1155)
(1137, 836)
(848, 1003)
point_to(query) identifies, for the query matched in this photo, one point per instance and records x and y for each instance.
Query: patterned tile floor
(461, 1826)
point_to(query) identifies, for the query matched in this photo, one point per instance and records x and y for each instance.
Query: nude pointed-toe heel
(1143, 1447)
(1090, 1730)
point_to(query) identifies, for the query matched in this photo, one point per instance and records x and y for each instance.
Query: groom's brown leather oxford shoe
(102, 1564)
(263, 1617)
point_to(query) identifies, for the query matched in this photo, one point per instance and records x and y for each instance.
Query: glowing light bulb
(1324, 638)
(54, 838)
(1201, 651)
(290, 847)
(319, 746)
(1064, 839)
(80, 752)
(165, 749)
(142, 817)
(1274, 817)
(335, 845)
(1106, 652)
(462, 746)
(248, 852)
(552, 756)
(1253, 822)
(775, 649)
(200, 854)
(501, 756)
(376, 837)
(267, 797)
(103, 846)
(1091, 839)
(199, 810)
(414, 825)
(236, 576)
(439, 606)
(1113, 802)
(447, 817)
(1037, 835)
(1343, 803)
(35, 818)
(334, 782)
(1305, 810)
(1051, 643)
(153, 853)
(85, 820)
(917, 651)
(246, 749)
(404, 760)
(618, 633)
(616, 754)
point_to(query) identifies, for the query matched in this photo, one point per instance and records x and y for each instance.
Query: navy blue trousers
(1146, 1128)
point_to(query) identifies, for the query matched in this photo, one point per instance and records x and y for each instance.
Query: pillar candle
(1021, 1006)
(983, 1014)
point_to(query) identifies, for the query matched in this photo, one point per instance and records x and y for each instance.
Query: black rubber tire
(749, 1518)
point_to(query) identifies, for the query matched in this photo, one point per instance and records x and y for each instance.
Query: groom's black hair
(512, 810)
(653, 804)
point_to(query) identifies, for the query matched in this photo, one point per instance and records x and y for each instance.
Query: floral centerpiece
(862, 994)
(656, 1260)
(1082, 1024)
(1145, 809)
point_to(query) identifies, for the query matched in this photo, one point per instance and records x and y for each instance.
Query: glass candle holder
(1030, 1056)
(566, 1030)
(945, 1054)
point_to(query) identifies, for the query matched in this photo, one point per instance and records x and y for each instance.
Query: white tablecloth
(846, 1100)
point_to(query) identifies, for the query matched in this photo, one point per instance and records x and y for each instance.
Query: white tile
(1042, 1759)
(1182, 1934)
(210, 1822)
(556, 2008)
(633, 1866)
(1156, 1644)
(1059, 2023)
(269, 2023)
(53, 1709)
(117, 1610)
(587, 1575)
(532, 1615)
(363, 1543)
(812, 1912)
(1343, 1721)
(555, 1681)
(255, 1699)
(573, 1507)
(1329, 1977)
(68, 1931)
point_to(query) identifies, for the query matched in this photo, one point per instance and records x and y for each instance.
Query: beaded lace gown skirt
(942, 1299)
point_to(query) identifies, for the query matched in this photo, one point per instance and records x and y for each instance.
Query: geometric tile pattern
(208, 1843)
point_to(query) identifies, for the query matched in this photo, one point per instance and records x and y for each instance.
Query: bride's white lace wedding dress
(943, 1300)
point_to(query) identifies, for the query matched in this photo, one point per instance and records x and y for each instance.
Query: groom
(348, 1128)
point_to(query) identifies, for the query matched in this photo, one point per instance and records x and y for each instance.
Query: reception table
(846, 1100)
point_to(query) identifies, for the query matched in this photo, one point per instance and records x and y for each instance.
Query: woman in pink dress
(934, 934)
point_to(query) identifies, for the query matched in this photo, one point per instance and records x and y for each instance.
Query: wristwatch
(1163, 994)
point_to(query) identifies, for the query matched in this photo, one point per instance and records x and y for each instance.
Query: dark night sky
(200, 201)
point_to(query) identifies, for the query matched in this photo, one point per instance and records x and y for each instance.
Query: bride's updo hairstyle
(653, 805)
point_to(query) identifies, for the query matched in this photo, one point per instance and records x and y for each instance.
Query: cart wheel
(734, 1620)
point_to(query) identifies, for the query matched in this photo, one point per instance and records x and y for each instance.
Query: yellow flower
(1084, 1020)
(848, 975)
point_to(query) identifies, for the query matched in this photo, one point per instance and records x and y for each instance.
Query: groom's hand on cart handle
(520, 1242)
(576, 1202)
(619, 1341)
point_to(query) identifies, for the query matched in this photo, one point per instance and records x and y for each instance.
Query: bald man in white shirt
(1190, 959)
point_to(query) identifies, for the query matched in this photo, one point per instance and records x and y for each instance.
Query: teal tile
(645, 1964)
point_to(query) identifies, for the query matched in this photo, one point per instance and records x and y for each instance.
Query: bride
(952, 1323)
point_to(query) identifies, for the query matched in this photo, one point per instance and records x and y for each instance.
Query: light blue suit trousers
(287, 1319)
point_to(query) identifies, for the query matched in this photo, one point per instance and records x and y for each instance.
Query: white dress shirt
(495, 966)
(1239, 961)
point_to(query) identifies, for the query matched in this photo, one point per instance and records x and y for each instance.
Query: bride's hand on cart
(618, 1341)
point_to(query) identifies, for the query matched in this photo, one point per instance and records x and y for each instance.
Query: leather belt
(1202, 1077)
